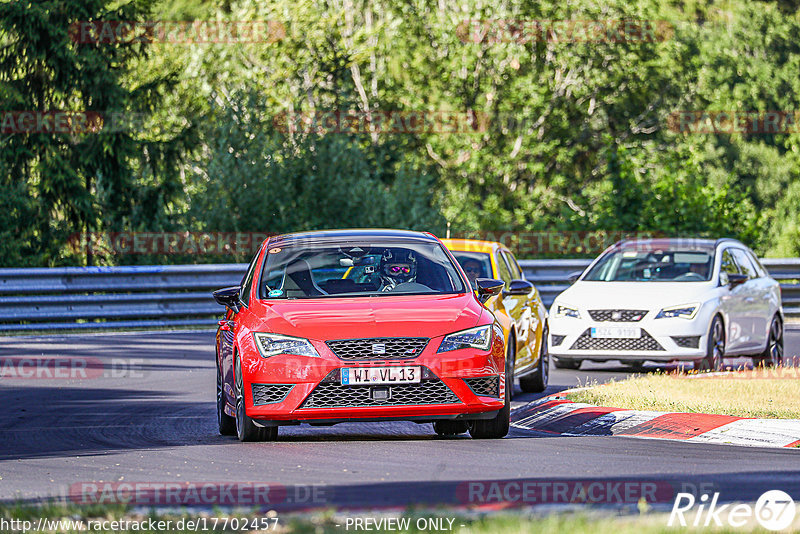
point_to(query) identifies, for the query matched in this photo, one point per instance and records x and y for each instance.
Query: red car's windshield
(357, 268)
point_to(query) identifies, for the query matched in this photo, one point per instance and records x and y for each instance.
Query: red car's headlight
(274, 344)
(476, 338)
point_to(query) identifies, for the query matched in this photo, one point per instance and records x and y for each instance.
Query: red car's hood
(366, 317)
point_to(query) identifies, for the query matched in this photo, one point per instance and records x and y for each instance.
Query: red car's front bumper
(443, 393)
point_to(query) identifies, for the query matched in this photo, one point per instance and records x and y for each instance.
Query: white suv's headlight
(475, 338)
(274, 344)
(567, 311)
(685, 311)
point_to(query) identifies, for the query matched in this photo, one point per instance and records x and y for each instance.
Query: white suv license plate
(376, 376)
(607, 332)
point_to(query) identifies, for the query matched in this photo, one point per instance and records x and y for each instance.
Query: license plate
(629, 332)
(380, 375)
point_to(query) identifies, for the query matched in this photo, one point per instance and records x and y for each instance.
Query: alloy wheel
(718, 347)
(545, 357)
(240, 413)
(510, 363)
(774, 344)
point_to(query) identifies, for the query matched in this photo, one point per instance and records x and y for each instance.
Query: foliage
(258, 179)
(84, 179)
(570, 136)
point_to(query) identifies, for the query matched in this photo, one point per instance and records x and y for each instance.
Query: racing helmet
(399, 265)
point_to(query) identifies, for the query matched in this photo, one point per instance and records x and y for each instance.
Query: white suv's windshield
(656, 265)
(357, 268)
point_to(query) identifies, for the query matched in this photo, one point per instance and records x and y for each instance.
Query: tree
(91, 175)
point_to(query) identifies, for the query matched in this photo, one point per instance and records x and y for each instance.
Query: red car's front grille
(487, 386)
(270, 393)
(333, 395)
(378, 348)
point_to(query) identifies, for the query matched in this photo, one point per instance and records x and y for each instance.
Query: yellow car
(519, 308)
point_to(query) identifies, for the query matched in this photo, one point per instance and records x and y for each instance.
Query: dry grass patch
(762, 393)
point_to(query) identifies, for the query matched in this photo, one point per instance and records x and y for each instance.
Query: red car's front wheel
(498, 426)
(246, 429)
(226, 423)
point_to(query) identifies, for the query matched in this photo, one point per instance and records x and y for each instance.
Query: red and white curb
(557, 415)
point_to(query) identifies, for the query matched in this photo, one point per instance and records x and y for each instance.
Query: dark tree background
(577, 137)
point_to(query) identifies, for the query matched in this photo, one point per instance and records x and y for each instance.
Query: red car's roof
(337, 235)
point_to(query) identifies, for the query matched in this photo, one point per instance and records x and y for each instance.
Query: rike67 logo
(774, 510)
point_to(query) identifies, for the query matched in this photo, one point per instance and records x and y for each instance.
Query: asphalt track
(145, 414)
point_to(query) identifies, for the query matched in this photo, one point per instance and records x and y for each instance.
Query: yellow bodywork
(522, 317)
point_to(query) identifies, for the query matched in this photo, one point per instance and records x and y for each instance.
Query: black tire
(496, 427)
(246, 429)
(511, 363)
(715, 348)
(450, 428)
(537, 382)
(773, 353)
(226, 423)
(565, 363)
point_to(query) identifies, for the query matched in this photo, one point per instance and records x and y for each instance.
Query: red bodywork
(318, 320)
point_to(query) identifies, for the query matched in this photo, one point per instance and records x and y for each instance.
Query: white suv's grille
(620, 316)
(587, 342)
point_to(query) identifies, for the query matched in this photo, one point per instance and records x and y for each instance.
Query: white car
(663, 300)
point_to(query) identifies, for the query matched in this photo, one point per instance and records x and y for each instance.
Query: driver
(472, 268)
(397, 267)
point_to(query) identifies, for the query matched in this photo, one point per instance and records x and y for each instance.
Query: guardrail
(76, 298)
(551, 278)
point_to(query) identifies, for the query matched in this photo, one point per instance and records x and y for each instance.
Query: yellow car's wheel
(537, 382)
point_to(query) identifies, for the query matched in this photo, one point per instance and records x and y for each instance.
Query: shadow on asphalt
(617, 492)
(41, 422)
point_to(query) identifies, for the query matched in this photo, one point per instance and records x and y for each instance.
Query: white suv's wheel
(773, 353)
(715, 350)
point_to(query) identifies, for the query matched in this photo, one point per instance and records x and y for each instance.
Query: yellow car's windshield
(474, 264)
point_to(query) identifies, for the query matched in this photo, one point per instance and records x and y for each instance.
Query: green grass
(760, 393)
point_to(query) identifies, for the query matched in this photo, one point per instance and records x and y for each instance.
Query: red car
(359, 325)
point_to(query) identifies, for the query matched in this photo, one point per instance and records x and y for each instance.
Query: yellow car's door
(522, 309)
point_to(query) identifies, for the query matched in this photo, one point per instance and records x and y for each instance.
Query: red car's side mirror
(229, 297)
(488, 287)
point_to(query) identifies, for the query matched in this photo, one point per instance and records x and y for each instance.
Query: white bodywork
(746, 311)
